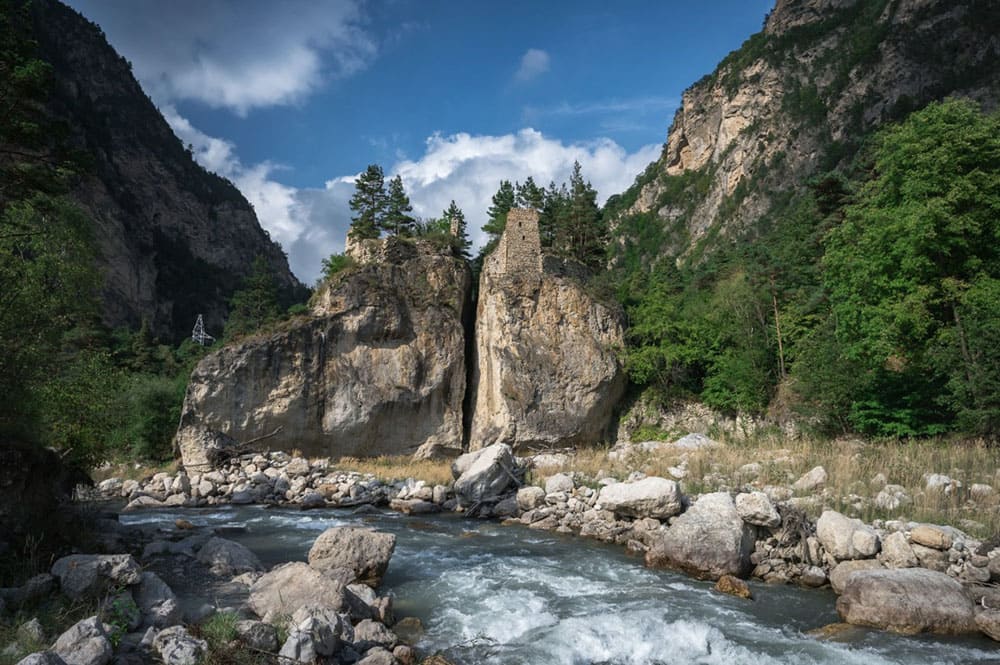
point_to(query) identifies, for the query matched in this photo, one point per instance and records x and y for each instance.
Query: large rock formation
(798, 98)
(174, 240)
(378, 367)
(546, 370)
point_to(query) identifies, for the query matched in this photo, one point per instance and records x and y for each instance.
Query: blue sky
(291, 99)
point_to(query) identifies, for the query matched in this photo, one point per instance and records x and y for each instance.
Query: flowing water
(509, 595)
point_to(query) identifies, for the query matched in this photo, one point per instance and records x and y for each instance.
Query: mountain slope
(797, 99)
(174, 240)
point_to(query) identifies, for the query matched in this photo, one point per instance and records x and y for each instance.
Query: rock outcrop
(800, 96)
(174, 240)
(546, 370)
(378, 367)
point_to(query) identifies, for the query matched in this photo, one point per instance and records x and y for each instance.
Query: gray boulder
(755, 508)
(897, 553)
(258, 635)
(708, 541)
(368, 634)
(363, 551)
(840, 573)
(227, 558)
(379, 656)
(291, 586)
(176, 646)
(86, 575)
(42, 658)
(907, 600)
(988, 621)
(810, 481)
(487, 474)
(846, 538)
(157, 602)
(530, 497)
(560, 482)
(85, 643)
(650, 497)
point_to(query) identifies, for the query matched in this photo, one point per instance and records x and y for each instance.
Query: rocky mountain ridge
(174, 240)
(797, 99)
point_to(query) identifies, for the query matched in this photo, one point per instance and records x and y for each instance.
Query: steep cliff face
(174, 240)
(377, 368)
(797, 98)
(546, 369)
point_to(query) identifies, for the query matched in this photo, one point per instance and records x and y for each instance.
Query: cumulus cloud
(311, 223)
(236, 55)
(534, 63)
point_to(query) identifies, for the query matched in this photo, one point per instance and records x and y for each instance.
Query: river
(509, 595)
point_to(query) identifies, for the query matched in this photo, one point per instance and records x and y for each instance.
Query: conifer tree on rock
(369, 203)
(397, 220)
(456, 222)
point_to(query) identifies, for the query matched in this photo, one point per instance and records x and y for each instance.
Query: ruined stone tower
(519, 250)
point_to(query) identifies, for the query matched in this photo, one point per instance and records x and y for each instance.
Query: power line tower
(199, 335)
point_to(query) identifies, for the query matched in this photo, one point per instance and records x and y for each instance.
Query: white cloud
(236, 55)
(534, 63)
(311, 223)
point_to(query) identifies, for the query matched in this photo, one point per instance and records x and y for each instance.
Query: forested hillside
(818, 238)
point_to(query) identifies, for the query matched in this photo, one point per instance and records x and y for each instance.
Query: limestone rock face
(377, 368)
(546, 371)
(907, 600)
(739, 125)
(709, 540)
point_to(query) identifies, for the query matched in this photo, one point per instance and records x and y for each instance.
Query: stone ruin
(519, 251)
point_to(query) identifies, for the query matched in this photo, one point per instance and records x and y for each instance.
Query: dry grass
(399, 467)
(132, 470)
(851, 466)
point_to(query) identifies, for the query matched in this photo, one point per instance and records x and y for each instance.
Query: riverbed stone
(733, 586)
(907, 600)
(650, 497)
(87, 575)
(709, 540)
(294, 585)
(896, 552)
(560, 482)
(930, 535)
(42, 658)
(85, 643)
(258, 635)
(227, 558)
(840, 573)
(370, 633)
(365, 552)
(487, 475)
(846, 538)
(176, 646)
(530, 497)
(377, 656)
(988, 621)
(755, 508)
(157, 602)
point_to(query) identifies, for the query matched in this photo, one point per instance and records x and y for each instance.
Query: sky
(291, 100)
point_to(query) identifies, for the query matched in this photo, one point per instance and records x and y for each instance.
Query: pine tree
(397, 219)
(369, 202)
(530, 195)
(503, 201)
(256, 303)
(456, 221)
(584, 230)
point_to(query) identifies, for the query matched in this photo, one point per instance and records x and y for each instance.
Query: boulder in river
(655, 497)
(708, 541)
(291, 586)
(907, 600)
(227, 558)
(365, 552)
(485, 474)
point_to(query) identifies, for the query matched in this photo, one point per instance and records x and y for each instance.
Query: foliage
(369, 203)
(254, 305)
(458, 230)
(397, 219)
(335, 264)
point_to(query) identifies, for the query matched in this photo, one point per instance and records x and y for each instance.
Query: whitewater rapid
(509, 595)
